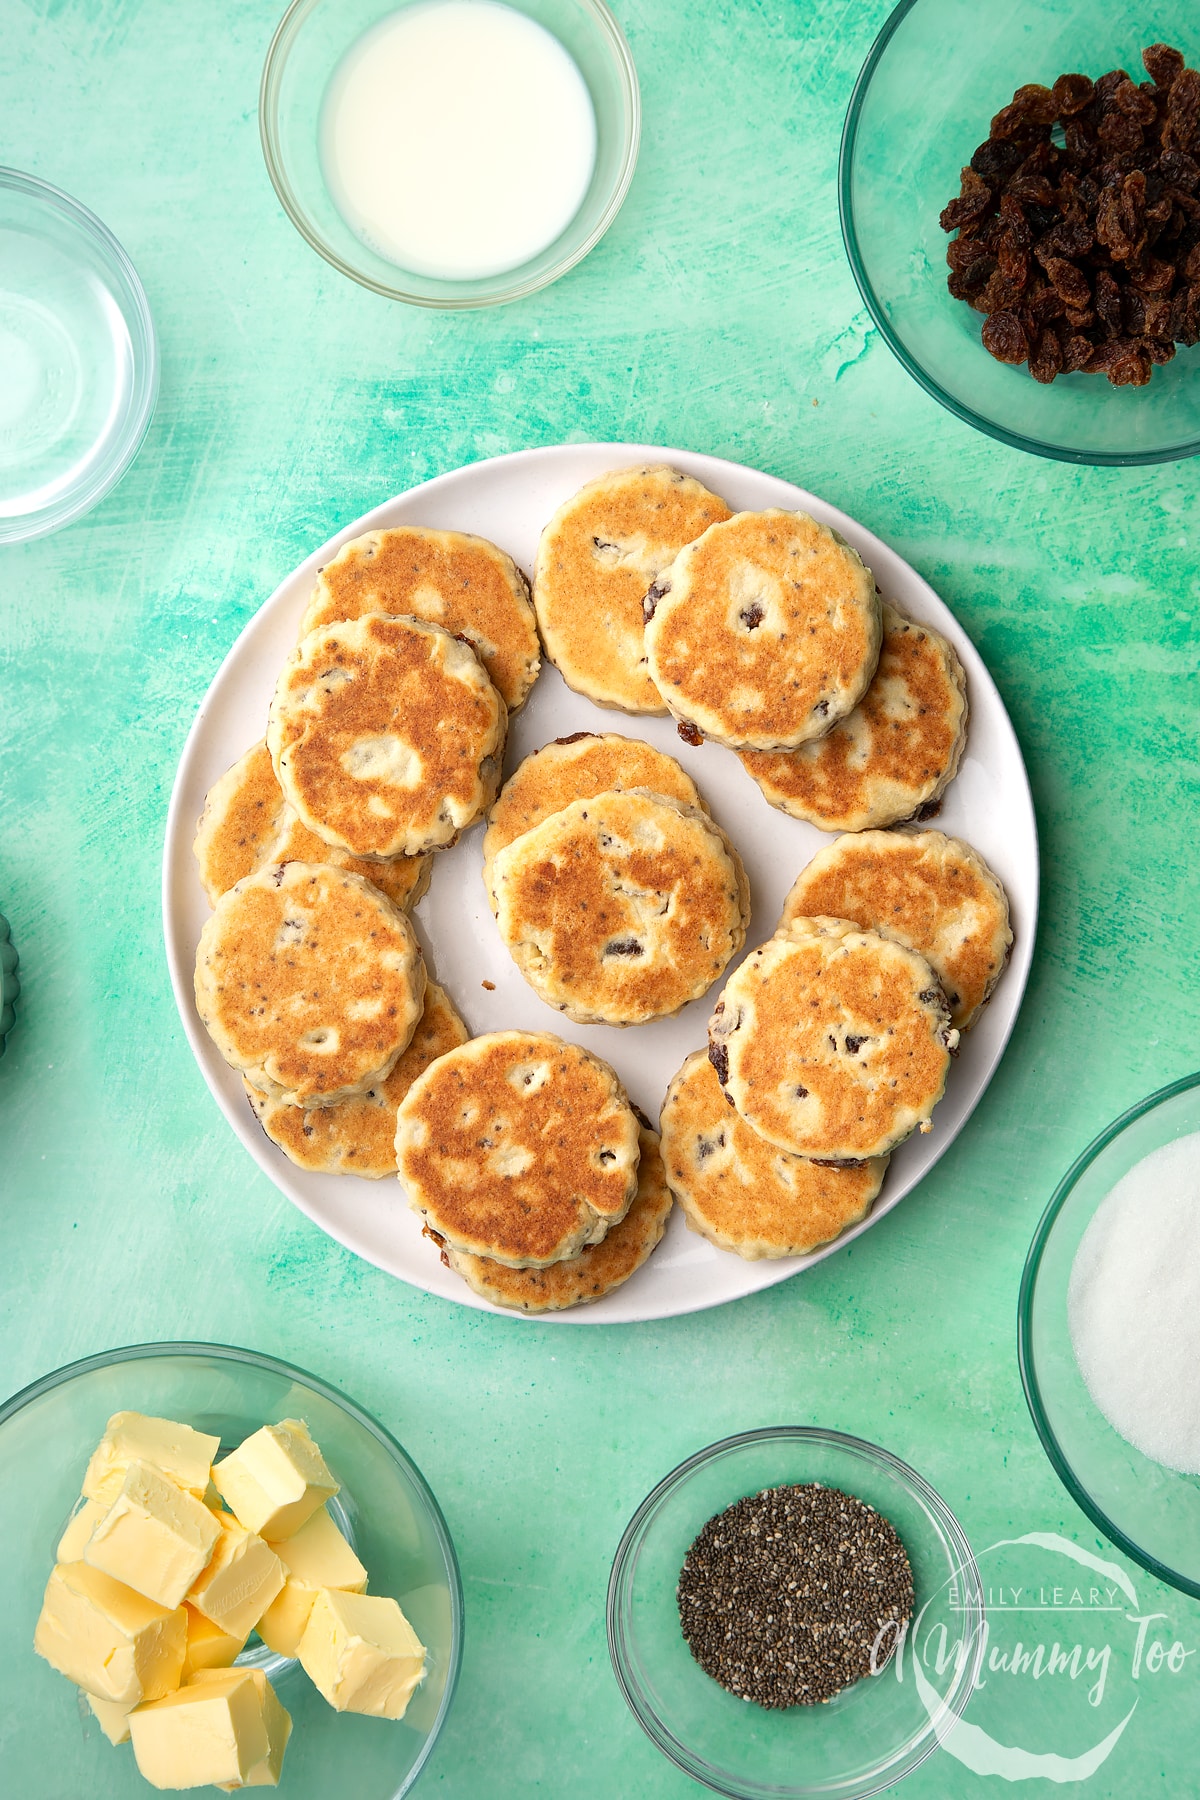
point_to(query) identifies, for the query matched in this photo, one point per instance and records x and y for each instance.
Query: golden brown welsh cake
(743, 1193)
(404, 879)
(597, 1269)
(574, 768)
(309, 982)
(358, 1137)
(463, 583)
(518, 1147)
(622, 907)
(832, 1042)
(930, 892)
(247, 825)
(386, 735)
(764, 632)
(597, 557)
(897, 752)
(242, 814)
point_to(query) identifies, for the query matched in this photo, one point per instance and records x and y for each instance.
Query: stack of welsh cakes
(534, 1175)
(384, 741)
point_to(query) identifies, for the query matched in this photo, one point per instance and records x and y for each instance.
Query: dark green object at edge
(10, 987)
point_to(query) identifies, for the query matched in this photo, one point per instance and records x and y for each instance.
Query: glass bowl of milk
(1109, 1333)
(450, 153)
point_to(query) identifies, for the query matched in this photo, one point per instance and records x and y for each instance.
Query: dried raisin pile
(1078, 223)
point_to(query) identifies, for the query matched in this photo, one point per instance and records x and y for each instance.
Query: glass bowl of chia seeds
(872, 1732)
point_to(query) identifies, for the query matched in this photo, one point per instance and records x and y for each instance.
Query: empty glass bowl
(868, 1736)
(46, 1436)
(925, 98)
(78, 360)
(1149, 1512)
(312, 39)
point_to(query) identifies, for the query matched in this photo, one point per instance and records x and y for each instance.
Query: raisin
(973, 202)
(1046, 359)
(1162, 64)
(1180, 170)
(1108, 302)
(1077, 351)
(1131, 370)
(1118, 134)
(996, 161)
(1154, 276)
(1070, 283)
(1071, 94)
(1158, 348)
(1004, 337)
(1183, 109)
(1032, 190)
(1135, 104)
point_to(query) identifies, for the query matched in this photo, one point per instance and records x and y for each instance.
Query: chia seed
(793, 1594)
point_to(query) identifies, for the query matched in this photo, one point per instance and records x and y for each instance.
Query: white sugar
(1133, 1306)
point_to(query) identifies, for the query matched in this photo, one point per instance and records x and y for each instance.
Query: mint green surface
(719, 314)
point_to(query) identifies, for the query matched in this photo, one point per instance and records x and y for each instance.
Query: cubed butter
(80, 1526)
(317, 1556)
(208, 1647)
(277, 1721)
(155, 1537)
(175, 1450)
(113, 1717)
(240, 1582)
(362, 1653)
(110, 1641)
(275, 1479)
(204, 1733)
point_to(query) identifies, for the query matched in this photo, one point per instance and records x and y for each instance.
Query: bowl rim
(966, 1568)
(1025, 1356)
(130, 432)
(277, 1366)
(1015, 439)
(509, 289)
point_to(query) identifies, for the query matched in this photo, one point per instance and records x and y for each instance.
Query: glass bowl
(312, 38)
(46, 1435)
(937, 72)
(1149, 1512)
(867, 1737)
(78, 359)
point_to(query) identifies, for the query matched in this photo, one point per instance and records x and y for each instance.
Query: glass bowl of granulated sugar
(1109, 1333)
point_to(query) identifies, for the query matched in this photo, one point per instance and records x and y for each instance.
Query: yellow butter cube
(108, 1640)
(208, 1647)
(204, 1733)
(155, 1537)
(175, 1450)
(275, 1480)
(240, 1582)
(317, 1556)
(80, 1526)
(277, 1721)
(362, 1653)
(113, 1717)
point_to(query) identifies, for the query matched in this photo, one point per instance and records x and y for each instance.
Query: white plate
(508, 499)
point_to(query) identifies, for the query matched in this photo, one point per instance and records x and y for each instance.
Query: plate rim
(707, 468)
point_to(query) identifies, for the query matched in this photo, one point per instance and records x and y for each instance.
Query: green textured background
(719, 314)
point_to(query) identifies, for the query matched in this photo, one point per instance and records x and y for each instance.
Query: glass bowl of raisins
(1020, 201)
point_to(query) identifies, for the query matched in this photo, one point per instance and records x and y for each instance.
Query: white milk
(458, 138)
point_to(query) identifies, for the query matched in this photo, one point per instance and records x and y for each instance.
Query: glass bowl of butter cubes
(217, 1571)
